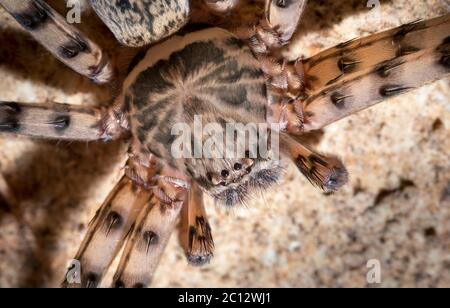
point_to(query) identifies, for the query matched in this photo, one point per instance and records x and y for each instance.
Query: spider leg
(108, 230)
(324, 171)
(360, 73)
(195, 231)
(150, 235)
(283, 17)
(60, 121)
(275, 28)
(63, 40)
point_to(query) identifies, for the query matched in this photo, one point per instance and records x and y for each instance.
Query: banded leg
(360, 73)
(418, 53)
(59, 121)
(108, 230)
(326, 172)
(149, 236)
(63, 40)
(195, 231)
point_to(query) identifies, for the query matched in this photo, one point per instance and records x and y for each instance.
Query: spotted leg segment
(195, 232)
(324, 171)
(376, 68)
(360, 73)
(63, 40)
(108, 230)
(59, 121)
(150, 235)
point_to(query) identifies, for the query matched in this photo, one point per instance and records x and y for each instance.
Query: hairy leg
(141, 210)
(59, 121)
(376, 68)
(150, 234)
(324, 171)
(360, 73)
(195, 231)
(63, 40)
(108, 230)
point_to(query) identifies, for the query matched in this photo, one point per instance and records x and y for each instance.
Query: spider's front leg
(63, 40)
(360, 73)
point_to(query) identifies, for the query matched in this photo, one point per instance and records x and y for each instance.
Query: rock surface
(395, 209)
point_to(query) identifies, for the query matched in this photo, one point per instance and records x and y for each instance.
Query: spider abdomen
(138, 23)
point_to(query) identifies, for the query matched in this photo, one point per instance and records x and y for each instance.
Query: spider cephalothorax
(210, 77)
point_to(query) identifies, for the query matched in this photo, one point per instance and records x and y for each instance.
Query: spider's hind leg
(63, 40)
(60, 121)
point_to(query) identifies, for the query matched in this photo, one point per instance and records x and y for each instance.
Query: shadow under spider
(52, 184)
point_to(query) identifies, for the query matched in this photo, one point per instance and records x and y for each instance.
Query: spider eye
(225, 173)
(237, 166)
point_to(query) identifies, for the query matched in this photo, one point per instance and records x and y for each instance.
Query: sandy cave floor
(396, 207)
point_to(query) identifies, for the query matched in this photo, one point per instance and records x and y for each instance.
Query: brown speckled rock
(396, 207)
